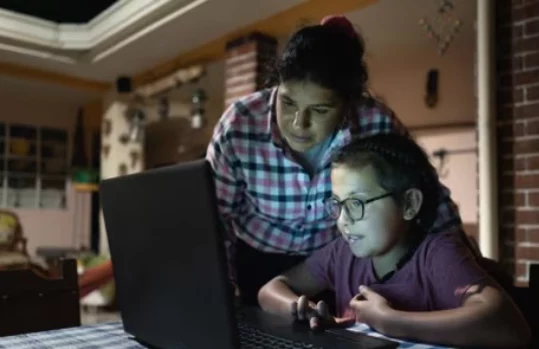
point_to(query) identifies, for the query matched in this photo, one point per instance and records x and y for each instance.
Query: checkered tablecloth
(402, 344)
(112, 336)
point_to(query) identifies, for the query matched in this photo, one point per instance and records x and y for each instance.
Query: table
(112, 336)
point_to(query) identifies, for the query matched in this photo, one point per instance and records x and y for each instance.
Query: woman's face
(307, 113)
(381, 227)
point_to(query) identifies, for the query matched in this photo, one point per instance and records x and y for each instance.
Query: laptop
(170, 269)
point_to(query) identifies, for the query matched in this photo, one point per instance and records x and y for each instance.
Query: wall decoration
(107, 127)
(135, 157)
(163, 108)
(197, 112)
(105, 149)
(122, 169)
(136, 119)
(443, 28)
(431, 96)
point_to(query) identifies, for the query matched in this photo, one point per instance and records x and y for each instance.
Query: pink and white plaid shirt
(265, 197)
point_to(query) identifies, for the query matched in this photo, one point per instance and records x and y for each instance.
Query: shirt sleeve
(228, 181)
(321, 264)
(452, 269)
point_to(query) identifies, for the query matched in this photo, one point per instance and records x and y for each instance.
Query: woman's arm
(487, 319)
(228, 181)
(278, 295)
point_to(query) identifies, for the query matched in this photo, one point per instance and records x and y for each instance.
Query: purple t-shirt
(435, 278)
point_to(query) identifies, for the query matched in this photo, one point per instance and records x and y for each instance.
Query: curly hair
(400, 164)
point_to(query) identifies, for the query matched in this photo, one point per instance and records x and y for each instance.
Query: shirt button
(309, 207)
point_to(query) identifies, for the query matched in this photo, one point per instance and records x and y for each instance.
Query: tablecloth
(112, 336)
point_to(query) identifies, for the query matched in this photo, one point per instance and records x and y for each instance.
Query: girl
(270, 154)
(386, 269)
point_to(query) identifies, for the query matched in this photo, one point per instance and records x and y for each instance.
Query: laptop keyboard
(252, 338)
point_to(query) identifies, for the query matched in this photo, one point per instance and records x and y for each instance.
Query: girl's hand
(317, 315)
(371, 308)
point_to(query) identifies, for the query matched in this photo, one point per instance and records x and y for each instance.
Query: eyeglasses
(354, 208)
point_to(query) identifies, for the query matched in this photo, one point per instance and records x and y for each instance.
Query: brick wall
(247, 65)
(517, 25)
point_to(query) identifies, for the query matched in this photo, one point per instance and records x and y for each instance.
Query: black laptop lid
(168, 257)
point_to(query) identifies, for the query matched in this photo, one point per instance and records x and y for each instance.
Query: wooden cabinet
(171, 141)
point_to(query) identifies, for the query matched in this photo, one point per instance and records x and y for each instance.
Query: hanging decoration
(136, 119)
(135, 157)
(444, 27)
(107, 127)
(105, 149)
(84, 177)
(197, 113)
(431, 96)
(122, 169)
(163, 108)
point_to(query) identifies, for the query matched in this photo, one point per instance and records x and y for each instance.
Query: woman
(271, 153)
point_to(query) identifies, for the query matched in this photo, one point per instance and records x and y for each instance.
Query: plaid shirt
(268, 199)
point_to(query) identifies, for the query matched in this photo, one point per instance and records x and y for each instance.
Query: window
(33, 166)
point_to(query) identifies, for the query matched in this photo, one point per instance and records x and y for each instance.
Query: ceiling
(160, 44)
(59, 11)
(180, 35)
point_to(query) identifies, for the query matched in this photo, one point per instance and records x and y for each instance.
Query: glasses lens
(354, 208)
(333, 208)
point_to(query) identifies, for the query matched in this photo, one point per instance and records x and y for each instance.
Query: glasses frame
(343, 203)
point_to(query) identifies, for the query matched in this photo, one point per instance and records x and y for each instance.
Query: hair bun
(340, 22)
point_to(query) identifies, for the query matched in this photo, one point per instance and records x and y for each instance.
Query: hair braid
(400, 164)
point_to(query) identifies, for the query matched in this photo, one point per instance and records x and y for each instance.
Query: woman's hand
(317, 315)
(371, 308)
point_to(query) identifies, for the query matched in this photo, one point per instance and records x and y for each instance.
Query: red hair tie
(340, 22)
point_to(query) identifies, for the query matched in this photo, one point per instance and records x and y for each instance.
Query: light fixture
(197, 112)
(163, 108)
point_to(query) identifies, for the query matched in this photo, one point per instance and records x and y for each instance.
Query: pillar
(517, 54)
(248, 63)
(117, 158)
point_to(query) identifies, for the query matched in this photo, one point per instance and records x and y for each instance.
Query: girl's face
(381, 226)
(307, 113)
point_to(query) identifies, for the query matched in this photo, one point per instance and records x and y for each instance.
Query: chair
(32, 303)
(13, 252)
(527, 299)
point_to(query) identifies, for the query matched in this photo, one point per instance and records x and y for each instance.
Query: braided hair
(400, 164)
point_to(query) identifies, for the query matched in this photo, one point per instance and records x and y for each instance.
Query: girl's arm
(471, 310)
(306, 279)
(487, 319)
(278, 295)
